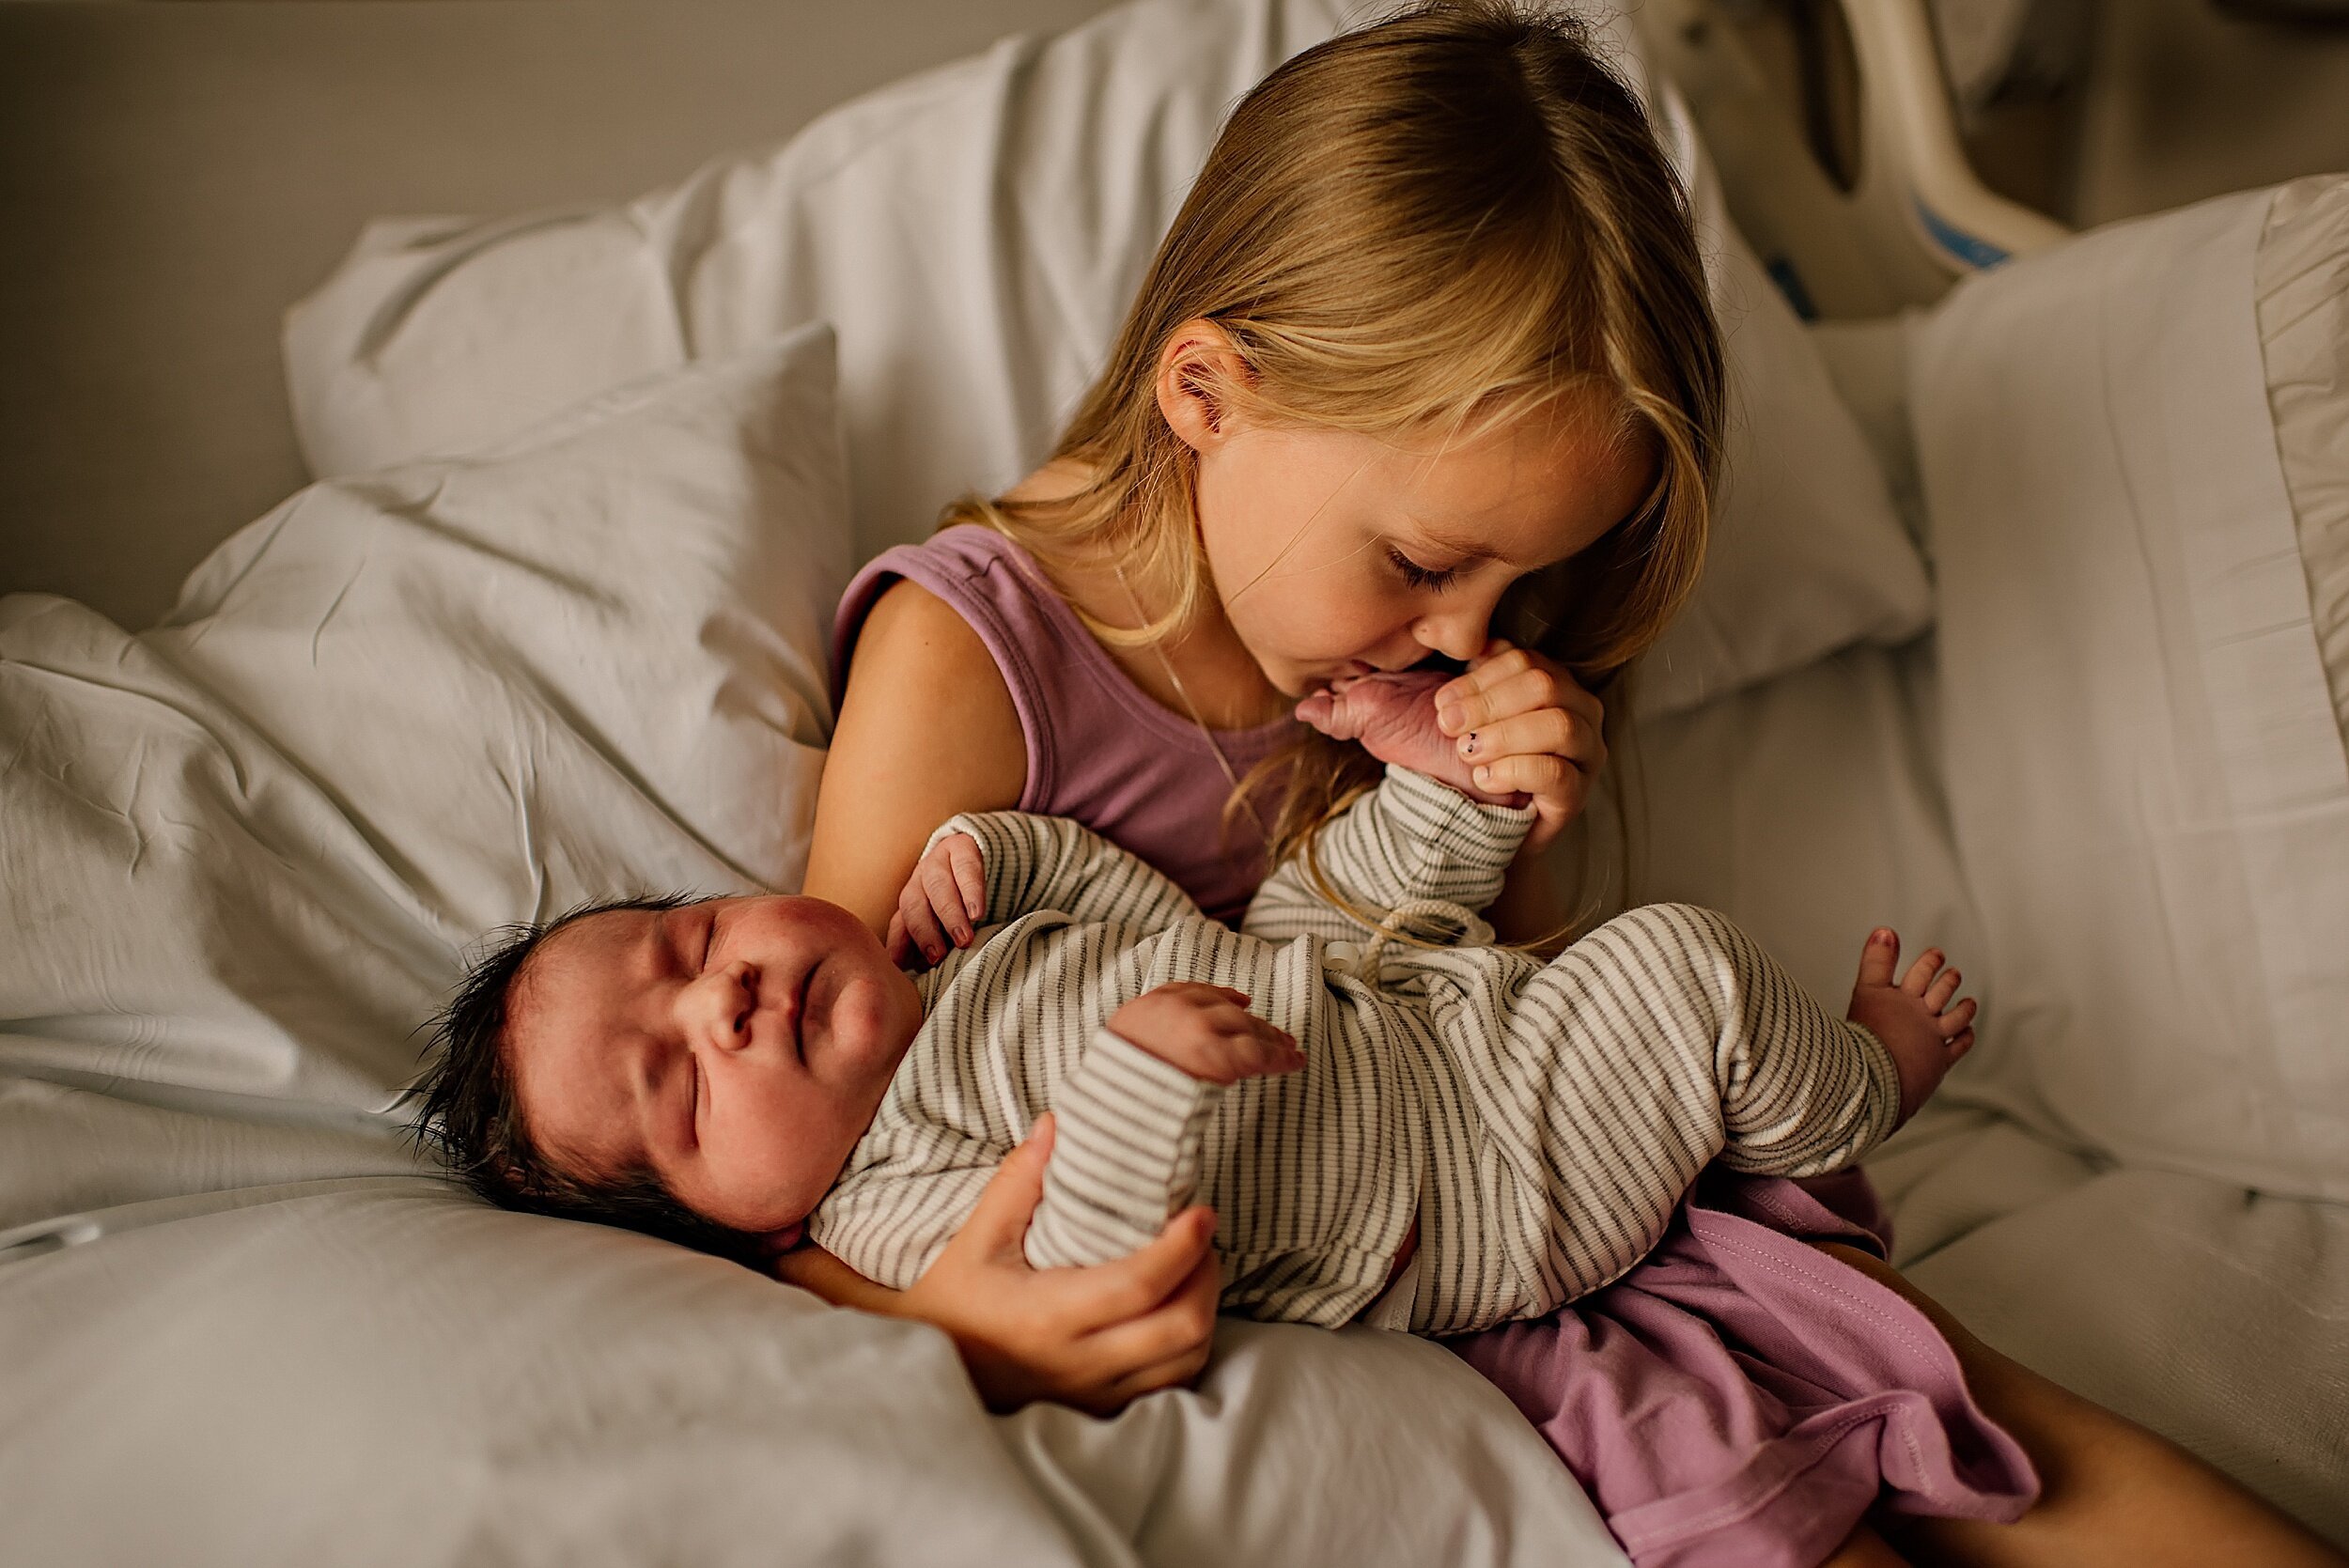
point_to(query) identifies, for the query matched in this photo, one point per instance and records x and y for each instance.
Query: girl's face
(1336, 553)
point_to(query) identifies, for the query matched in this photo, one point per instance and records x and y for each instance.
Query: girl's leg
(2111, 1491)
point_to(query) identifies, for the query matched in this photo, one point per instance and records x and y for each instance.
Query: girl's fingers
(1176, 1371)
(1920, 973)
(1943, 988)
(1498, 697)
(1141, 1280)
(1551, 780)
(1514, 681)
(1960, 1017)
(1546, 729)
(1165, 1346)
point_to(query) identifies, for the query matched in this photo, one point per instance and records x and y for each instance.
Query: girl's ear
(1196, 369)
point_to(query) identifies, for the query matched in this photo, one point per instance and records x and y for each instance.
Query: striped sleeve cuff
(1415, 838)
(1126, 1153)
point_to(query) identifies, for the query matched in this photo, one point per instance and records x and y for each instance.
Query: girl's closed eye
(1436, 578)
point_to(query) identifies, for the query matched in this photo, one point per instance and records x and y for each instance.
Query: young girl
(1425, 356)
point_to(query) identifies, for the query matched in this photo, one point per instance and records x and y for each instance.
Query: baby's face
(736, 1047)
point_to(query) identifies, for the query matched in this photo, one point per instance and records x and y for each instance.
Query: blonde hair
(1442, 221)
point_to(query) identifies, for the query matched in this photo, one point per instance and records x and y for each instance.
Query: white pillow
(977, 235)
(246, 850)
(2148, 780)
(391, 1371)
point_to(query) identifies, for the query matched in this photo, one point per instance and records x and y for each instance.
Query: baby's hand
(1392, 714)
(1207, 1031)
(1914, 1018)
(943, 901)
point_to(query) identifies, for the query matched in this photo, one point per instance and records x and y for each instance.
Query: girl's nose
(1460, 635)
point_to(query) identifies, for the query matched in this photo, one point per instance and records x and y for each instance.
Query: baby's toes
(1320, 710)
(1879, 955)
(1920, 973)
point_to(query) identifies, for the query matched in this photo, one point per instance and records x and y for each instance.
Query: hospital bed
(2024, 632)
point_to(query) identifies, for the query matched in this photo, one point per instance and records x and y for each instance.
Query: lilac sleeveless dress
(1100, 749)
(1738, 1398)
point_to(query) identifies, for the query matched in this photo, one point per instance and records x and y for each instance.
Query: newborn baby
(739, 1070)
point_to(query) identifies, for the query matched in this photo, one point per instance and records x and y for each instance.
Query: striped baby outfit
(1539, 1121)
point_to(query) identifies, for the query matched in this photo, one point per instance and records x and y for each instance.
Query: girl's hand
(943, 902)
(1092, 1338)
(1524, 726)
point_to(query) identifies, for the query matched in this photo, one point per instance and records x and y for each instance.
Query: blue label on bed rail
(1974, 252)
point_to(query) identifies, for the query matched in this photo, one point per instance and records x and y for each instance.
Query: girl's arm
(1092, 1338)
(927, 729)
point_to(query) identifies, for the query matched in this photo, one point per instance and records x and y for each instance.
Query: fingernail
(1484, 777)
(1448, 718)
(1468, 744)
(932, 952)
(1879, 936)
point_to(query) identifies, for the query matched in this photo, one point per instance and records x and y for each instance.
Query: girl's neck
(1204, 665)
(1201, 671)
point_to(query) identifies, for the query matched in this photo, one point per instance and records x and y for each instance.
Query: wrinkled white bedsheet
(240, 856)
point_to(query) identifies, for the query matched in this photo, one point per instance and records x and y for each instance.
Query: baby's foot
(1913, 1018)
(1392, 713)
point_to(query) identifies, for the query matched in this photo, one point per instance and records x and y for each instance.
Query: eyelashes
(1422, 576)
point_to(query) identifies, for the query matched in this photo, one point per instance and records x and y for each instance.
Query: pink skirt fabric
(1741, 1398)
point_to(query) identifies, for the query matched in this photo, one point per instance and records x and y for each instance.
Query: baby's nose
(729, 997)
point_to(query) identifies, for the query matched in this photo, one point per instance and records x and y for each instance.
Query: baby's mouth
(796, 1016)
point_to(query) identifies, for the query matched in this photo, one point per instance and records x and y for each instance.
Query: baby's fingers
(944, 892)
(1261, 1051)
(969, 873)
(921, 927)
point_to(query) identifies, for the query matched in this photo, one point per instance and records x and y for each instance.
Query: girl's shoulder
(973, 573)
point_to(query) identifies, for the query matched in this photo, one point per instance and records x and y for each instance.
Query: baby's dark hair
(470, 1115)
